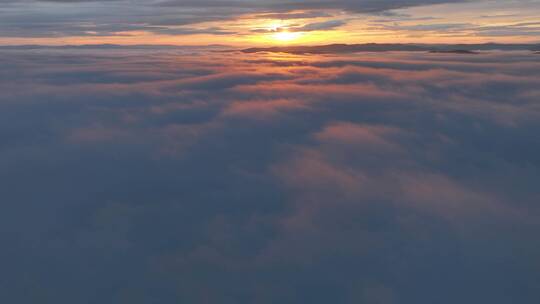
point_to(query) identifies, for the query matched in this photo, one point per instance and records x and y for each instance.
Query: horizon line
(89, 45)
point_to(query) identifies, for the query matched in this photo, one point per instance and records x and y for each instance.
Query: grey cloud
(516, 29)
(439, 27)
(319, 26)
(189, 31)
(309, 27)
(368, 6)
(302, 15)
(155, 175)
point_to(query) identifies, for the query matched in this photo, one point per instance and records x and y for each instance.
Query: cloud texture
(163, 177)
(25, 22)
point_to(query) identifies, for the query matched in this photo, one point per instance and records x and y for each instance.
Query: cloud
(294, 15)
(309, 27)
(120, 20)
(319, 26)
(155, 175)
(366, 6)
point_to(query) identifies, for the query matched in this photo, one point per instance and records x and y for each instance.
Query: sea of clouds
(219, 177)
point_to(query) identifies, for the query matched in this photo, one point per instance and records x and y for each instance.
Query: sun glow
(286, 33)
(286, 36)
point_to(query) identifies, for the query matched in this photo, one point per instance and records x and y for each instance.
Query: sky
(269, 22)
(195, 176)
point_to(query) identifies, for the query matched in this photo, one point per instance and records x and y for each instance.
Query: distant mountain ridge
(387, 47)
(319, 49)
(109, 46)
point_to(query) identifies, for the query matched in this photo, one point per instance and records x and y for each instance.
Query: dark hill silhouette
(464, 52)
(386, 47)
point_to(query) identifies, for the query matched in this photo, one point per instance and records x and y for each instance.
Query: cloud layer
(131, 176)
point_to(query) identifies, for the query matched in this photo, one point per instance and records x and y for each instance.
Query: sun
(277, 33)
(285, 36)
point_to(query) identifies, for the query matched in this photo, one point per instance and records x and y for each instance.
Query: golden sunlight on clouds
(288, 29)
(288, 38)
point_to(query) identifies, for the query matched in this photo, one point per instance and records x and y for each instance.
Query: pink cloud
(263, 109)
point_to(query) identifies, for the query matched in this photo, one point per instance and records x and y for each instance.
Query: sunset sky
(273, 22)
